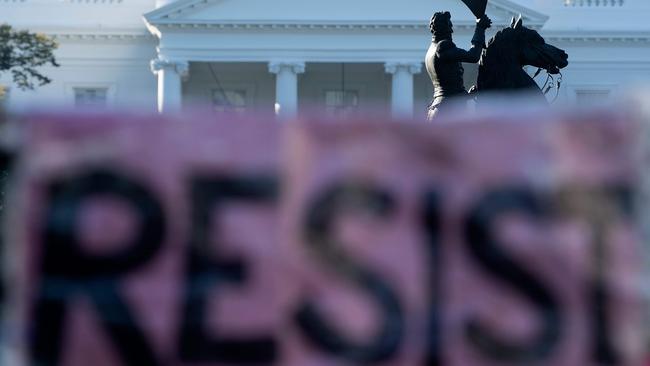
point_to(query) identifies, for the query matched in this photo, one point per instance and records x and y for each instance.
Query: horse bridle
(551, 82)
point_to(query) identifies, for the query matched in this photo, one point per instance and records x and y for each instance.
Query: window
(590, 97)
(341, 102)
(229, 100)
(91, 97)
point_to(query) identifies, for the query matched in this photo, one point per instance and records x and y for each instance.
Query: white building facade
(291, 55)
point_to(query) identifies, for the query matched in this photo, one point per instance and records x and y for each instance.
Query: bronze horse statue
(501, 64)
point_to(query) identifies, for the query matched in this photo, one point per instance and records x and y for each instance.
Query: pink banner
(149, 241)
(487, 242)
(157, 241)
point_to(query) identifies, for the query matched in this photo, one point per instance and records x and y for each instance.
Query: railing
(594, 3)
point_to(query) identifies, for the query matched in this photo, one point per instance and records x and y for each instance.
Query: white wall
(57, 14)
(122, 66)
(617, 65)
(101, 44)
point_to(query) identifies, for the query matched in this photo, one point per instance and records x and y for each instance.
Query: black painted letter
(487, 252)
(318, 235)
(67, 271)
(431, 221)
(205, 273)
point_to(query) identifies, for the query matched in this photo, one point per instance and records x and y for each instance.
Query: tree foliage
(22, 52)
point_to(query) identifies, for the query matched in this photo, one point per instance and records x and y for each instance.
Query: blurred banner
(137, 240)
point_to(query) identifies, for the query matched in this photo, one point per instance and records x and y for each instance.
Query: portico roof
(330, 14)
(322, 31)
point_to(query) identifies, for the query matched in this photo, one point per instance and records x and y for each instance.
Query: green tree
(22, 53)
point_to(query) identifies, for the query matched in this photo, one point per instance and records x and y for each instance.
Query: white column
(402, 87)
(170, 79)
(286, 86)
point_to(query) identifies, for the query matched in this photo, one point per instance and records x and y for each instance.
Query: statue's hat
(476, 6)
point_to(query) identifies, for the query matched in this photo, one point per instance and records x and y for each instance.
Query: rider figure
(443, 60)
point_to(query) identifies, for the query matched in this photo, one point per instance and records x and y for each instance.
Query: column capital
(411, 67)
(182, 68)
(296, 67)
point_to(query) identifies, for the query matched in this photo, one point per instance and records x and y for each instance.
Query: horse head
(512, 48)
(534, 51)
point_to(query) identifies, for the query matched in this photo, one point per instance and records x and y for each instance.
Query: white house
(291, 54)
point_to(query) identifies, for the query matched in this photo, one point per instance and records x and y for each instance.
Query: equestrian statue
(501, 62)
